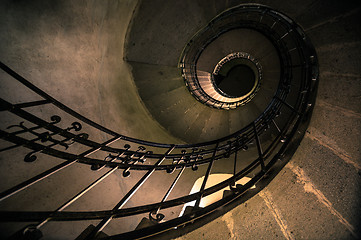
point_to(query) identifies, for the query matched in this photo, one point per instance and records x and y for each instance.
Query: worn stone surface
(248, 221)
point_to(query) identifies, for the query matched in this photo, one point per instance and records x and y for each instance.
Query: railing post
(259, 147)
(127, 196)
(196, 205)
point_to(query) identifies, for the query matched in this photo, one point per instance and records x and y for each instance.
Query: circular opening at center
(235, 80)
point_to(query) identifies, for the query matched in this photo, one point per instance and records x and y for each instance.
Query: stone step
(145, 222)
(88, 230)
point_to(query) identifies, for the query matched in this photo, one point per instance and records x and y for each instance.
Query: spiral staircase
(113, 112)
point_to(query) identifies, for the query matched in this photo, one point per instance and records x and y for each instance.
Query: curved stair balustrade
(258, 151)
(284, 34)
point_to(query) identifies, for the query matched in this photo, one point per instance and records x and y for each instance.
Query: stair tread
(195, 130)
(217, 125)
(155, 80)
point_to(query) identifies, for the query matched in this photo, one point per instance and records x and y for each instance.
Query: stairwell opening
(237, 75)
(237, 81)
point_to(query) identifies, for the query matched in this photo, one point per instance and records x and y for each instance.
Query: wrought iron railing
(71, 139)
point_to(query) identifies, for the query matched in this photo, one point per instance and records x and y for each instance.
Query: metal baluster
(233, 185)
(235, 163)
(128, 196)
(171, 169)
(85, 190)
(50, 171)
(242, 140)
(260, 20)
(158, 216)
(196, 205)
(285, 34)
(274, 23)
(292, 49)
(278, 129)
(35, 228)
(259, 147)
(289, 106)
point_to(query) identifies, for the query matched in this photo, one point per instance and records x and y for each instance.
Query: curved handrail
(178, 156)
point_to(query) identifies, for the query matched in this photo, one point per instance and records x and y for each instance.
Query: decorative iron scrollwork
(48, 136)
(177, 161)
(111, 158)
(155, 216)
(135, 158)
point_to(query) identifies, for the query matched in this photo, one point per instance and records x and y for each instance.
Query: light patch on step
(266, 196)
(341, 110)
(309, 187)
(213, 179)
(227, 218)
